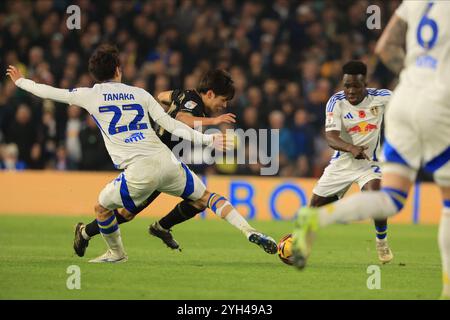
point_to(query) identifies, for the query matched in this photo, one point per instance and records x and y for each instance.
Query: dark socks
(182, 212)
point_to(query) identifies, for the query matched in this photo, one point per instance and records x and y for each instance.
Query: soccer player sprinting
(353, 128)
(192, 107)
(417, 128)
(123, 115)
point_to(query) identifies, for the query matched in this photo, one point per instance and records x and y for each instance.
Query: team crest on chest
(375, 110)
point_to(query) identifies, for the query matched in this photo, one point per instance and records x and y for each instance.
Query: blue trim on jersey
(127, 201)
(439, 161)
(336, 97)
(391, 155)
(447, 204)
(189, 188)
(378, 92)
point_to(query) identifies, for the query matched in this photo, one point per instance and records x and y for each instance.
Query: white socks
(444, 247)
(109, 229)
(361, 206)
(226, 211)
(236, 220)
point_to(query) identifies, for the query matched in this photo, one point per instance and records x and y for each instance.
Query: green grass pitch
(217, 262)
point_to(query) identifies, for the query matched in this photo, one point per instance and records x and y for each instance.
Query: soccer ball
(285, 249)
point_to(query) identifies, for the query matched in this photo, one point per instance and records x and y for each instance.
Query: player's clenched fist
(13, 73)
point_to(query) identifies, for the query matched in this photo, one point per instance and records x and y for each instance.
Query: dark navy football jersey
(188, 101)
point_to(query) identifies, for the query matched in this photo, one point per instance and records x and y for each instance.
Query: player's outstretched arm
(181, 130)
(334, 141)
(40, 90)
(193, 121)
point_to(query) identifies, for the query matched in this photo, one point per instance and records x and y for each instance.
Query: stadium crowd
(285, 57)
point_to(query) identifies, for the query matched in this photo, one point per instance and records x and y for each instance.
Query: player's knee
(99, 209)
(101, 212)
(127, 215)
(201, 203)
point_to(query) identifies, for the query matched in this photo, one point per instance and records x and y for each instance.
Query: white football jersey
(359, 125)
(122, 113)
(427, 59)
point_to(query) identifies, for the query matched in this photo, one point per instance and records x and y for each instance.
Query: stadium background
(284, 56)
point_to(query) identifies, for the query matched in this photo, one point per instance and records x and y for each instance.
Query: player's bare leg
(444, 242)
(110, 231)
(385, 254)
(371, 204)
(223, 208)
(84, 232)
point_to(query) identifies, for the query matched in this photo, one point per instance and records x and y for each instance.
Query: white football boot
(385, 254)
(110, 257)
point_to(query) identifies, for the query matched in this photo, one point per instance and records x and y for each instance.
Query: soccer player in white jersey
(123, 114)
(353, 128)
(417, 127)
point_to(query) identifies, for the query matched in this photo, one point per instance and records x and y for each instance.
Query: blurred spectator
(10, 158)
(22, 132)
(73, 144)
(93, 150)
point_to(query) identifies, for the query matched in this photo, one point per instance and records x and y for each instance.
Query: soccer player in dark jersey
(192, 107)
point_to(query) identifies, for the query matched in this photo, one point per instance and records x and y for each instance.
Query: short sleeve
(175, 95)
(333, 121)
(384, 96)
(190, 105)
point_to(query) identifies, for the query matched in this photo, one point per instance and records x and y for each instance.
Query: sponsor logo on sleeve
(190, 105)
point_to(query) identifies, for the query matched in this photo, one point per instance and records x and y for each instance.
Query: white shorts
(418, 132)
(138, 181)
(339, 176)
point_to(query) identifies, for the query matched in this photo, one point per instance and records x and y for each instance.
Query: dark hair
(219, 81)
(354, 67)
(103, 62)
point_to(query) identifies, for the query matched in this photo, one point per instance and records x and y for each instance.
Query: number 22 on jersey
(132, 126)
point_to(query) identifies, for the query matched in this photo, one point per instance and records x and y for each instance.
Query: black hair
(354, 67)
(104, 62)
(219, 81)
